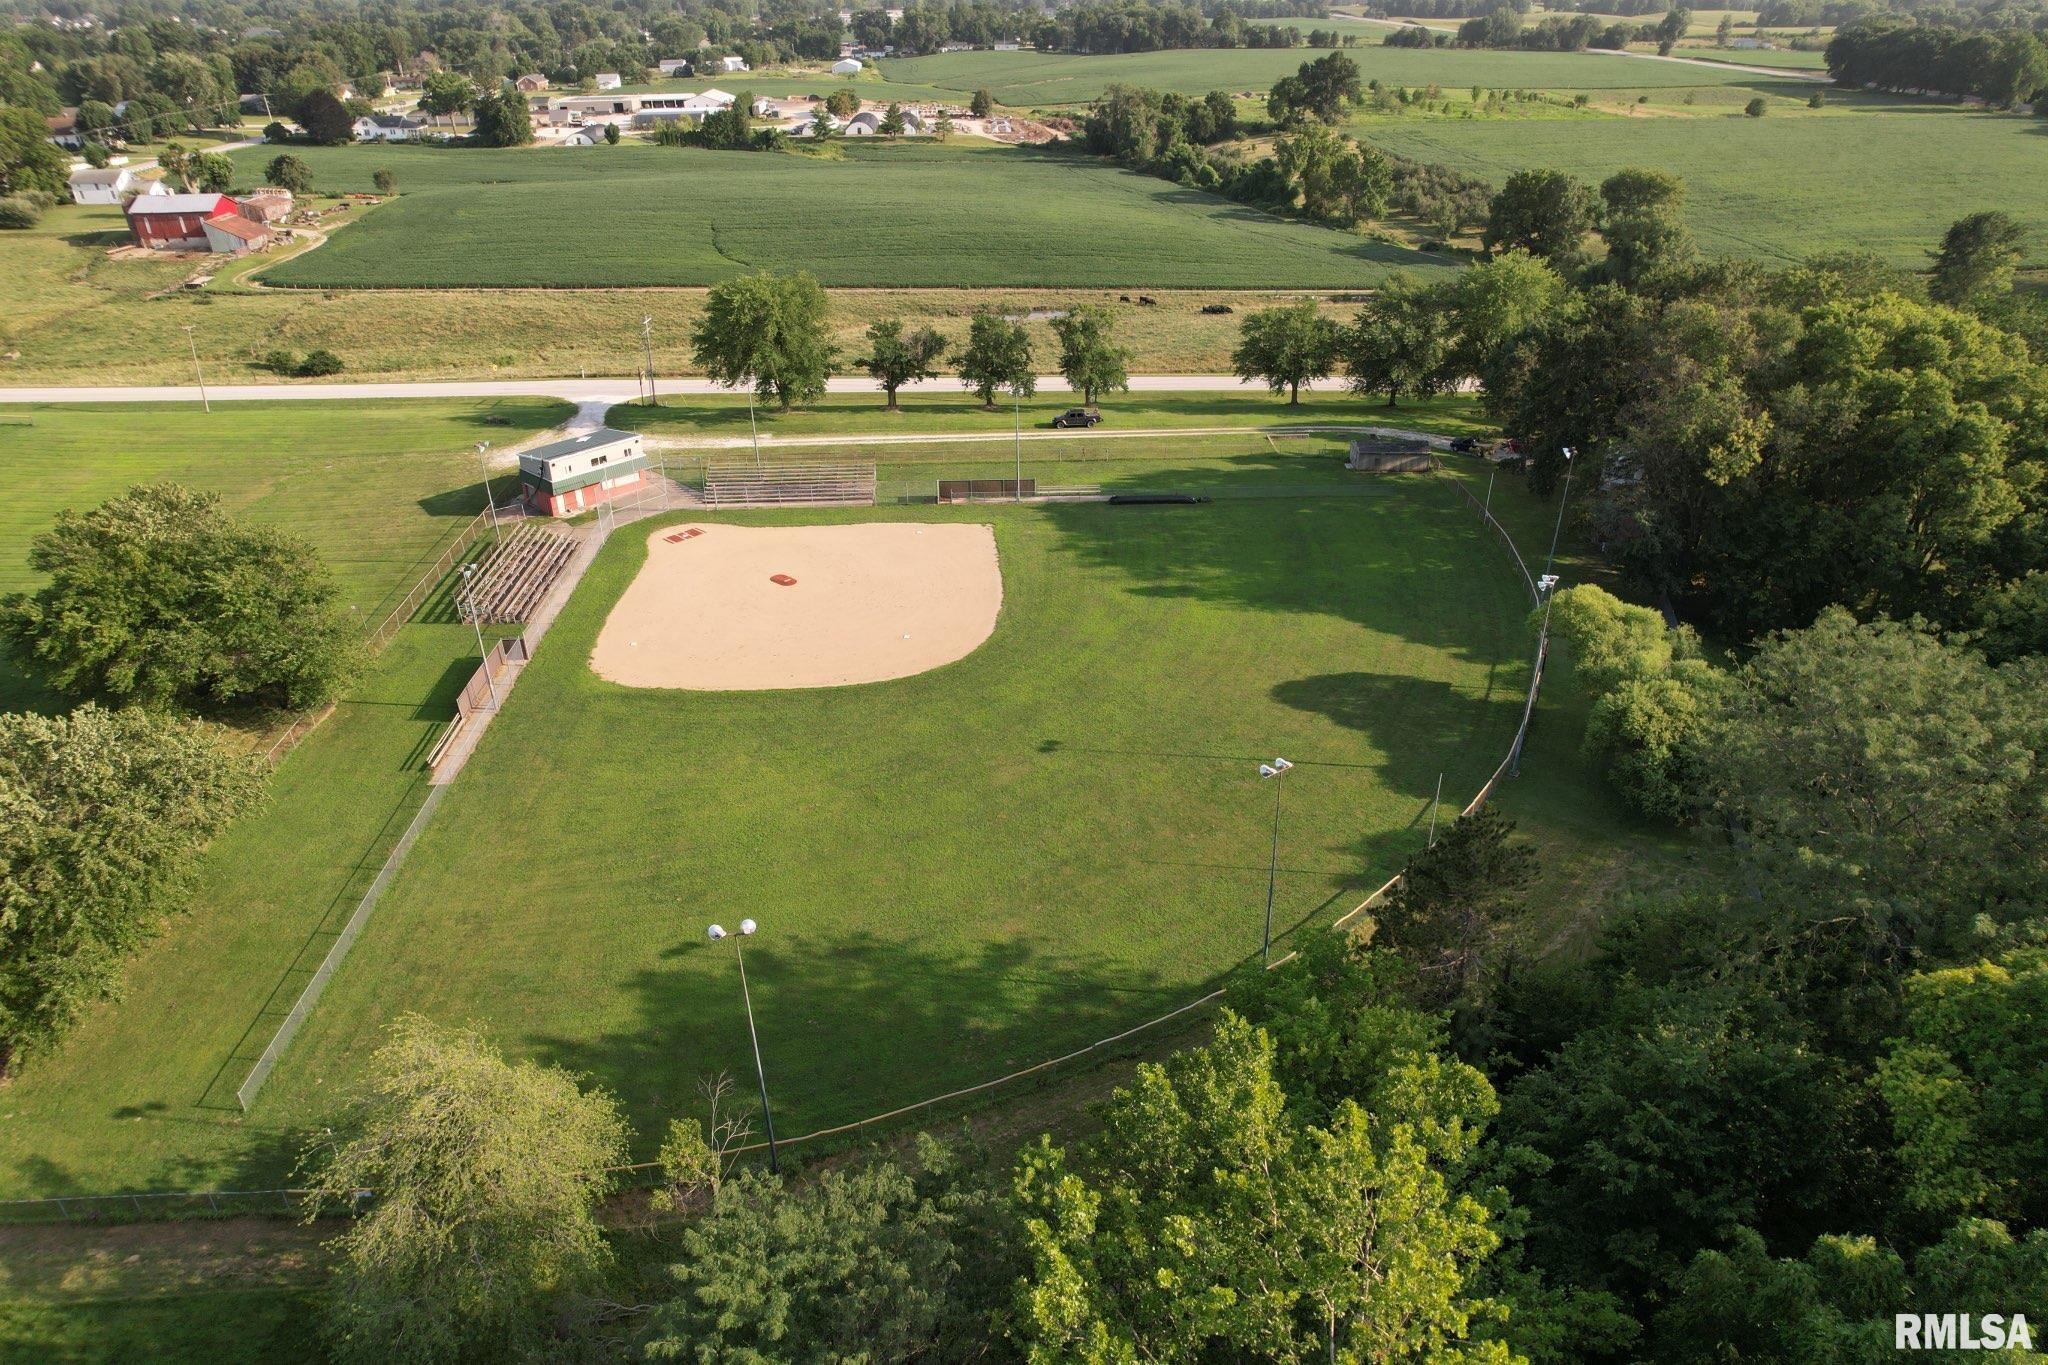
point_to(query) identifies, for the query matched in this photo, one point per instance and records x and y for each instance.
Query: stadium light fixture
(1278, 768)
(1563, 497)
(476, 620)
(483, 459)
(747, 929)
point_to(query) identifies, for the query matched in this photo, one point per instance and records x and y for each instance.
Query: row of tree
(2002, 68)
(768, 333)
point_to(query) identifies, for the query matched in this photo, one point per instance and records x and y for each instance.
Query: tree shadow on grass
(853, 1024)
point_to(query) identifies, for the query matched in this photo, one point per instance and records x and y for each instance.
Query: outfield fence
(77, 1208)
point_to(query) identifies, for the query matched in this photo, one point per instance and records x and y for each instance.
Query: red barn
(177, 220)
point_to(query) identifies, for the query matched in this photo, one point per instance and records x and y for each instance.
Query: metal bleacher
(811, 483)
(515, 575)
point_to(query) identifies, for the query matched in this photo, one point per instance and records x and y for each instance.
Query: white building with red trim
(577, 473)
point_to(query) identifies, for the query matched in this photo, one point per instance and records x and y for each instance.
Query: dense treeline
(2002, 68)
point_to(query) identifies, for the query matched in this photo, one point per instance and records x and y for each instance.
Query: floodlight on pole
(1017, 408)
(205, 405)
(1562, 498)
(1276, 769)
(483, 459)
(647, 348)
(476, 620)
(747, 928)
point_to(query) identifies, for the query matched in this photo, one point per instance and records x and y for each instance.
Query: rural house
(531, 83)
(110, 186)
(733, 65)
(386, 128)
(177, 221)
(565, 477)
(675, 66)
(62, 129)
(608, 80)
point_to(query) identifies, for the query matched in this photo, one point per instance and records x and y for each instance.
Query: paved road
(579, 391)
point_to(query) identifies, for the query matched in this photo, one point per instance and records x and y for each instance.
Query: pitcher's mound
(869, 602)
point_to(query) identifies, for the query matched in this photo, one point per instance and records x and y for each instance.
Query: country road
(580, 391)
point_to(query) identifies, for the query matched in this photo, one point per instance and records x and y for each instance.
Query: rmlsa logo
(1961, 1332)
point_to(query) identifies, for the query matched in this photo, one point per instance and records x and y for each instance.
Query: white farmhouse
(110, 186)
(608, 80)
(675, 66)
(386, 128)
(733, 65)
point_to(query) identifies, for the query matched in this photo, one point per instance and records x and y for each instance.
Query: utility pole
(204, 404)
(1275, 770)
(1017, 402)
(647, 347)
(1562, 498)
(490, 498)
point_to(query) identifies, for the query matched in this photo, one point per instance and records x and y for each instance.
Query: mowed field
(378, 488)
(1883, 175)
(933, 216)
(1031, 79)
(965, 871)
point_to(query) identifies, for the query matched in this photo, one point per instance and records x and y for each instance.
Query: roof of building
(234, 225)
(180, 203)
(576, 445)
(109, 175)
(392, 121)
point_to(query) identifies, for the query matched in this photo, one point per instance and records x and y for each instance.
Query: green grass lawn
(1866, 172)
(378, 487)
(927, 413)
(971, 869)
(1029, 79)
(911, 215)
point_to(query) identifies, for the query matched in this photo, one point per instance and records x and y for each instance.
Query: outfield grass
(967, 870)
(911, 215)
(379, 488)
(1027, 79)
(1884, 175)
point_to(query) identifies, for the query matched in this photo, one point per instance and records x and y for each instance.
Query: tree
(486, 1178)
(895, 359)
(997, 356)
(1881, 774)
(1545, 213)
(1401, 343)
(29, 162)
(1340, 181)
(384, 180)
(942, 126)
(880, 1262)
(1756, 108)
(1455, 897)
(289, 172)
(211, 172)
(982, 104)
(1325, 88)
(325, 119)
(892, 124)
(1961, 1081)
(102, 814)
(444, 94)
(767, 331)
(502, 120)
(1285, 348)
(158, 596)
(1976, 261)
(1089, 358)
(1676, 23)
(1644, 226)
(843, 103)
(1208, 1221)
(1494, 301)
(611, 135)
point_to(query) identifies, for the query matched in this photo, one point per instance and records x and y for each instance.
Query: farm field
(1866, 172)
(969, 869)
(900, 216)
(1030, 79)
(378, 487)
(1788, 58)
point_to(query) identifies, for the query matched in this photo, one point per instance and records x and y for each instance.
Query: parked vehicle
(1078, 417)
(1465, 445)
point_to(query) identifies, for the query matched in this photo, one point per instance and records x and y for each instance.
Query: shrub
(318, 362)
(19, 211)
(1755, 108)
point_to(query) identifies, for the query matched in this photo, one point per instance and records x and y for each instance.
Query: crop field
(877, 216)
(1788, 58)
(1865, 172)
(971, 869)
(1030, 79)
(377, 487)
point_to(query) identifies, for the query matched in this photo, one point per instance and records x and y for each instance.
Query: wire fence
(172, 1204)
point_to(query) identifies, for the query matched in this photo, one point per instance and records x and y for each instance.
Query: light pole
(1276, 770)
(1487, 510)
(490, 498)
(476, 620)
(1561, 499)
(647, 348)
(747, 927)
(197, 373)
(1546, 587)
(753, 430)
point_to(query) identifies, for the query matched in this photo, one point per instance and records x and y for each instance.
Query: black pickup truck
(1078, 417)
